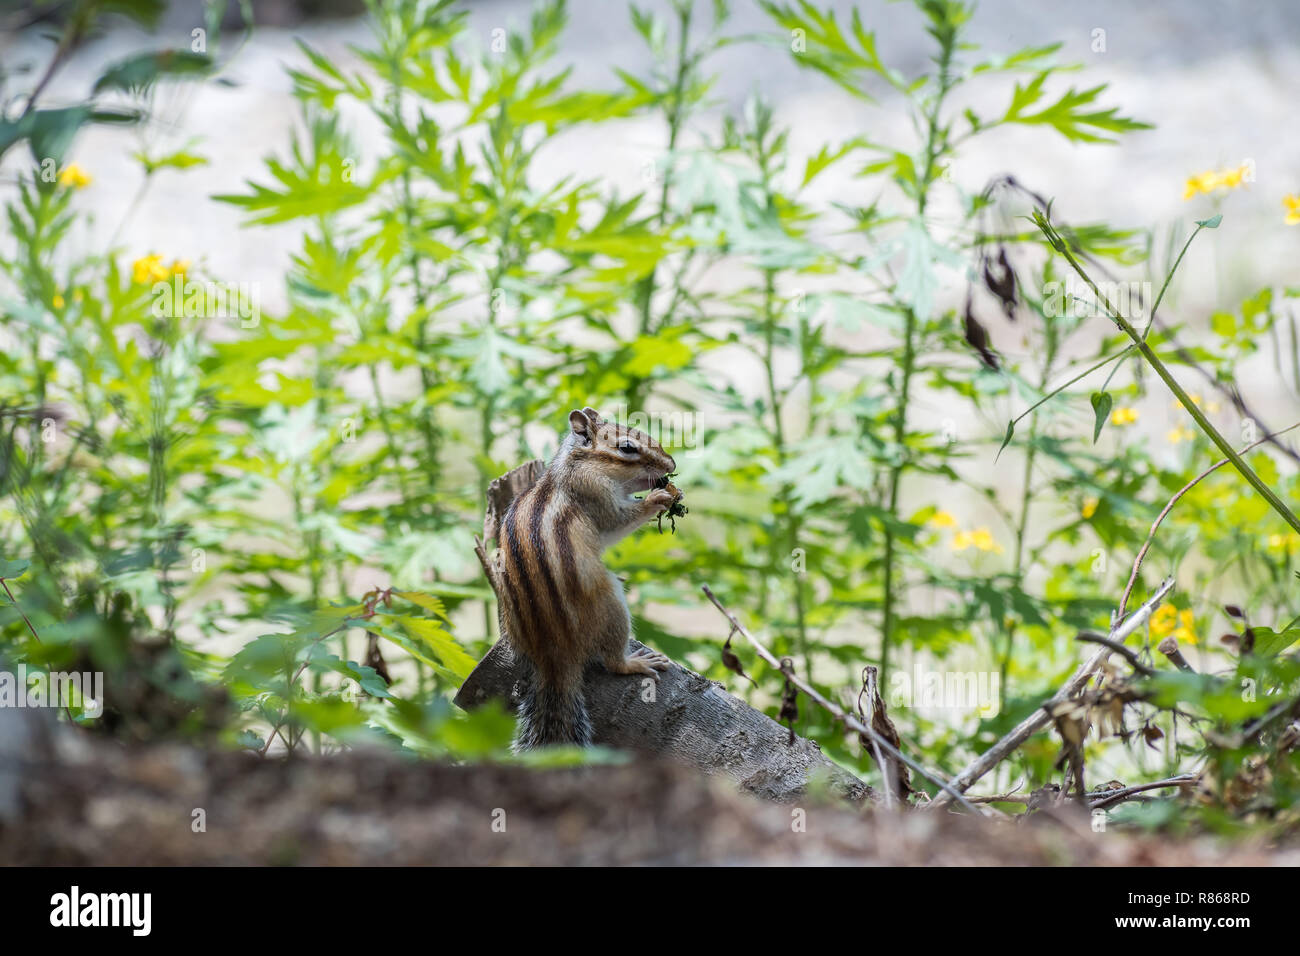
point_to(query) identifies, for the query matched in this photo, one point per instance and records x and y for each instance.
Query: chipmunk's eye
(627, 448)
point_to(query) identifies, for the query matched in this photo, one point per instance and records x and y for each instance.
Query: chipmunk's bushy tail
(552, 714)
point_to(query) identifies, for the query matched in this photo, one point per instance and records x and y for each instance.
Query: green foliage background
(173, 487)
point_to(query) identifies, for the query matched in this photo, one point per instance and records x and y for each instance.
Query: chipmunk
(558, 604)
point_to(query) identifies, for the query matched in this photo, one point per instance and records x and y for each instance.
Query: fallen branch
(683, 717)
(845, 718)
(1040, 718)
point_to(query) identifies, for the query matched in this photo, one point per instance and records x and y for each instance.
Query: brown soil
(112, 806)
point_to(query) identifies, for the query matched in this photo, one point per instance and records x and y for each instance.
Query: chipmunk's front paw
(661, 499)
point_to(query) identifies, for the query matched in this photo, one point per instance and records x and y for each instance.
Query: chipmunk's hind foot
(641, 661)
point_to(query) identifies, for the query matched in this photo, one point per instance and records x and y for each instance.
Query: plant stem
(1159, 297)
(1168, 278)
(389, 438)
(1026, 499)
(935, 144)
(427, 429)
(789, 518)
(895, 482)
(676, 115)
(1167, 377)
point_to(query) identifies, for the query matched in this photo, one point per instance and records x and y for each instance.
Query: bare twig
(20, 611)
(1252, 731)
(893, 774)
(888, 770)
(1097, 799)
(1146, 546)
(69, 38)
(26, 620)
(845, 718)
(1107, 798)
(1132, 658)
(1169, 648)
(1040, 718)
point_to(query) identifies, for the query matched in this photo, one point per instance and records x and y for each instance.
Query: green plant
(202, 492)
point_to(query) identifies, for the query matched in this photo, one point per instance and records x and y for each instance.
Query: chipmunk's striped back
(539, 571)
(539, 566)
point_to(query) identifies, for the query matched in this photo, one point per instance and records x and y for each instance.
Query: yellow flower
(58, 301)
(1181, 433)
(943, 519)
(149, 269)
(1280, 542)
(1185, 633)
(1168, 620)
(980, 539)
(1163, 620)
(1232, 178)
(1090, 507)
(74, 176)
(1212, 406)
(1200, 183)
(1123, 416)
(1211, 180)
(1292, 206)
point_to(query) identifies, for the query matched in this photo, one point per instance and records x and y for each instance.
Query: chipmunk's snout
(663, 480)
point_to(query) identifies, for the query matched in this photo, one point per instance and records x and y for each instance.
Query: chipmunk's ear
(593, 415)
(583, 424)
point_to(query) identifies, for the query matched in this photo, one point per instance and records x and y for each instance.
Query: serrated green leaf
(1070, 115)
(434, 636)
(429, 602)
